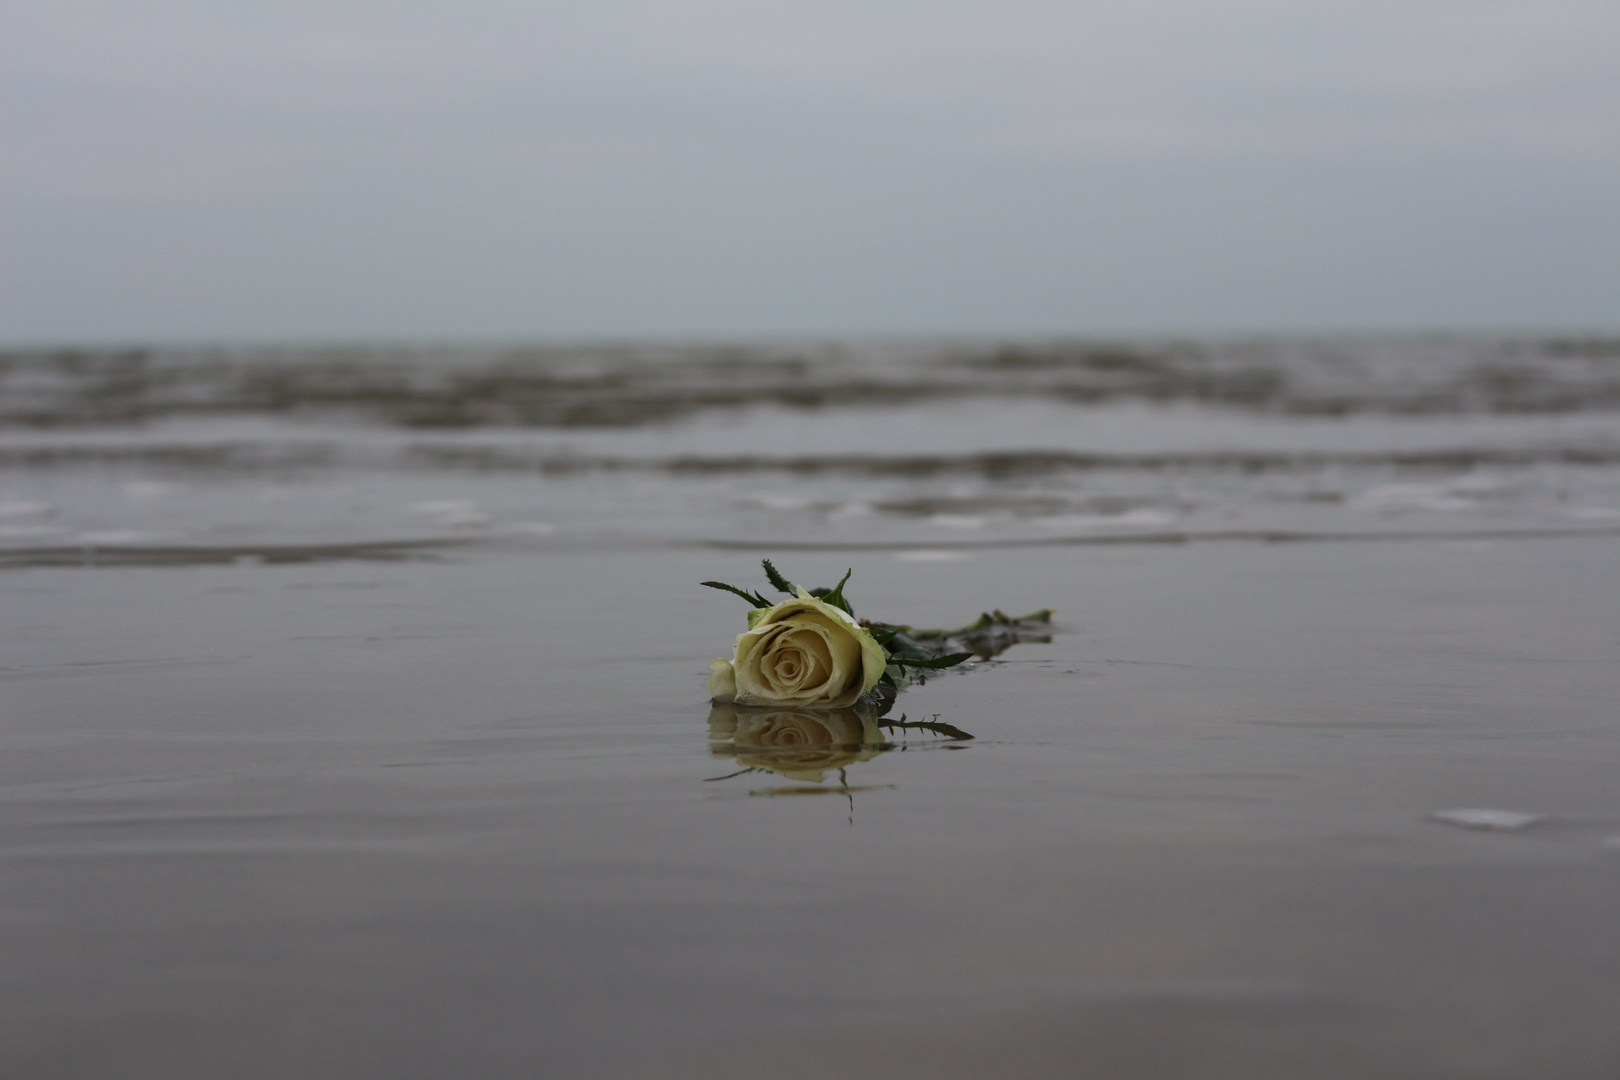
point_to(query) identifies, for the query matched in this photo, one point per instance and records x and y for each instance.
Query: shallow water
(339, 747)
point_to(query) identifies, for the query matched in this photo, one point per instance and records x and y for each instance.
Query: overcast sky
(341, 169)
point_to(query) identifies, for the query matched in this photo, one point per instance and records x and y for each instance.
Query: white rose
(803, 653)
(722, 682)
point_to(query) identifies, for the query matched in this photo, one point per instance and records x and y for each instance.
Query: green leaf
(985, 622)
(754, 599)
(949, 660)
(835, 596)
(778, 582)
(902, 648)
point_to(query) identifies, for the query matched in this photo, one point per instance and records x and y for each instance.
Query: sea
(353, 721)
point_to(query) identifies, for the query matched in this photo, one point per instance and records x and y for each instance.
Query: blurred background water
(210, 454)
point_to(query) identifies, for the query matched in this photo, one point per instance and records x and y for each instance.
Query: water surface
(353, 720)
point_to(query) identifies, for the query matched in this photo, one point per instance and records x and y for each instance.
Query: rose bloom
(802, 653)
(800, 744)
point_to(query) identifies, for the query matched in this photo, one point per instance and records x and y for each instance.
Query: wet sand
(455, 816)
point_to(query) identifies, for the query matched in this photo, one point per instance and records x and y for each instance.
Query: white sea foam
(928, 555)
(958, 521)
(116, 537)
(28, 532)
(852, 510)
(1494, 820)
(779, 503)
(455, 513)
(143, 490)
(12, 509)
(1142, 518)
(1388, 497)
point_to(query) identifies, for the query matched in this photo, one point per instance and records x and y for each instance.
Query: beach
(353, 716)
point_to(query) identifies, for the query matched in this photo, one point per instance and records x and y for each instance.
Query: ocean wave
(433, 549)
(602, 386)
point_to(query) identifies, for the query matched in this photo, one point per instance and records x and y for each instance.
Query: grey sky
(344, 169)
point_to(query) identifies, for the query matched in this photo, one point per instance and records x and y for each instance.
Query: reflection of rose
(801, 652)
(800, 744)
